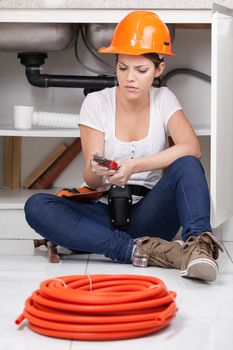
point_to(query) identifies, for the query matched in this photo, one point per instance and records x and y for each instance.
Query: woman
(129, 124)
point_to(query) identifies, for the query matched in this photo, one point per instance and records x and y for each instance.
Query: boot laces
(201, 246)
(204, 248)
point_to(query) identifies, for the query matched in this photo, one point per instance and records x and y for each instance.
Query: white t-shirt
(98, 111)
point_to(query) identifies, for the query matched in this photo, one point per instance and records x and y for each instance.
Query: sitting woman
(130, 124)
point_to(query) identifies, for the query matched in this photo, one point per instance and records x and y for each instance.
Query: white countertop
(113, 4)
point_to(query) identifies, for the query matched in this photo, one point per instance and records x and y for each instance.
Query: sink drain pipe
(34, 60)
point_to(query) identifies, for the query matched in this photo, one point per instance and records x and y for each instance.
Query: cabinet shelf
(16, 198)
(8, 130)
(202, 131)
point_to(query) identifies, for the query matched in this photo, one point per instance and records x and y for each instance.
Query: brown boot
(155, 251)
(199, 257)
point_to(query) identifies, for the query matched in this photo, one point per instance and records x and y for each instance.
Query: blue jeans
(180, 198)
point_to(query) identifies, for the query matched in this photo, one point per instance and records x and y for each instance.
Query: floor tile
(182, 334)
(34, 268)
(229, 248)
(22, 338)
(13, 295)
(16, 247)
(205, 311)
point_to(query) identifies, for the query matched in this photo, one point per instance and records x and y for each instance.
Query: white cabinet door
(221, 116)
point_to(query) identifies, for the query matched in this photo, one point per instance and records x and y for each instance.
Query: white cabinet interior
(196, 41)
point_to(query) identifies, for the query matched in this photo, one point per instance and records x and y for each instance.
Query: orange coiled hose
(99, 307)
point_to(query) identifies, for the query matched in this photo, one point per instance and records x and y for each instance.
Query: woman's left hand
(123, 173)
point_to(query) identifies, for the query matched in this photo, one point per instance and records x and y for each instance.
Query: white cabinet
(222, 116)
(218, 125)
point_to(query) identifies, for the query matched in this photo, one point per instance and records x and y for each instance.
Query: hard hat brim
(129, 51)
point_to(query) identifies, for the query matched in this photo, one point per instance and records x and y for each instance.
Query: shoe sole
(204, 269)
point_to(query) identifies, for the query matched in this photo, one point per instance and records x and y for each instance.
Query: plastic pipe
(188, 71)
(55, 120)
(99, 307)
(34, 60)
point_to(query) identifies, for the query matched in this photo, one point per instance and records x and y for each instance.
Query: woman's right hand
(100, 170)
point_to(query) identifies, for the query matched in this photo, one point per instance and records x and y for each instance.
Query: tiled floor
(204, 319)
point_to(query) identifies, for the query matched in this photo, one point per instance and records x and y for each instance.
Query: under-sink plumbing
(25, 117)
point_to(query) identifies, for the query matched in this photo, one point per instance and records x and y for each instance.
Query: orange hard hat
(138, 33)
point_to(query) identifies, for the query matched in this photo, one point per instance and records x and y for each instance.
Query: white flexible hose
(57, 120)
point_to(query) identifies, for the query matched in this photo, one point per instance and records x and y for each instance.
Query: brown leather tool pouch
(82, 194)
